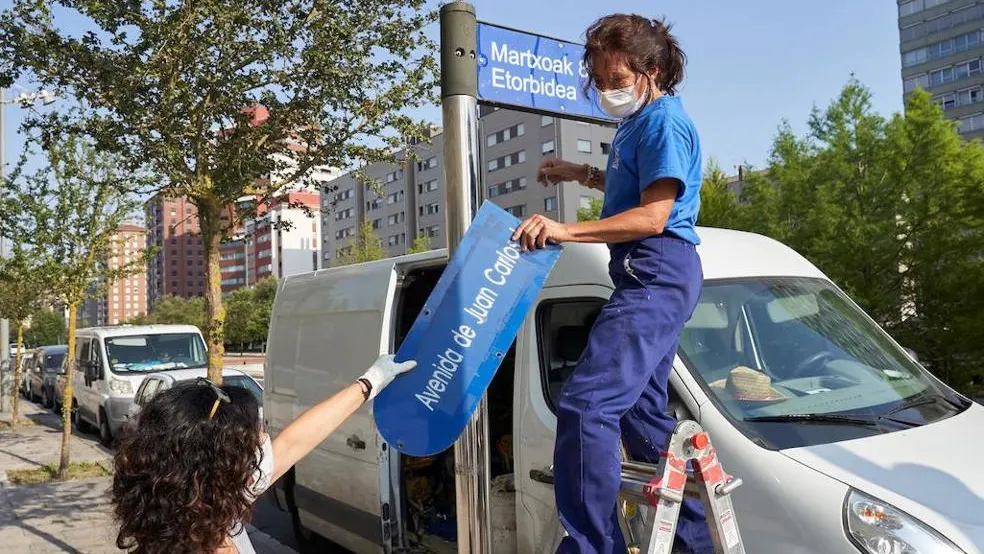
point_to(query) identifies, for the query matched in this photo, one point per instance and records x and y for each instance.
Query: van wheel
(105, 433)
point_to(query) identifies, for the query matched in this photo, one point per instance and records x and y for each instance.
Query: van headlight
(877, 527)
(119, 386)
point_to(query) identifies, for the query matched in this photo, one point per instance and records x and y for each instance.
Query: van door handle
(544, 475)
(355, 443)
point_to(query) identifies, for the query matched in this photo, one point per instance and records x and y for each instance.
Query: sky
(751, 64)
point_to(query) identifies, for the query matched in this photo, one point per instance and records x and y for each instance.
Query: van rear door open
(327, 327)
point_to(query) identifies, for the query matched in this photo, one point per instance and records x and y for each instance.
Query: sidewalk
(72, 516)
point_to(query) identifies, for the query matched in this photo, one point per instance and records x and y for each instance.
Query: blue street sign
(533, 72)
(462, 335)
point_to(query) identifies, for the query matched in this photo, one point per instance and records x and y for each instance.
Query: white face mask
(621, 103)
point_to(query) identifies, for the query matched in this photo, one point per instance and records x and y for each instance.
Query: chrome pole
(462, 185)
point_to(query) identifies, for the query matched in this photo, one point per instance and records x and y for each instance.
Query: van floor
(428, 484)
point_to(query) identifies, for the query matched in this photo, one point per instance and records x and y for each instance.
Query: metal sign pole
(459, 105)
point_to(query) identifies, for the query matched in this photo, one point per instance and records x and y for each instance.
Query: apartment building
(283, 240)
(178, 267)
(126, 298)
(941, 44)
(412, 199)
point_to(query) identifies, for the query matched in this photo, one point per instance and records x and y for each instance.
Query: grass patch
(20, 423)
(49, 472)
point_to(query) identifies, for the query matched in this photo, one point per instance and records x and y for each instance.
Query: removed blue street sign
(462, 335)
(533, 72)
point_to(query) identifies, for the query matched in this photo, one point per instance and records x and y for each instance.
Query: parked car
(46, 367)
(111, 362)
(844, 442)
(27, 366)
(156, 383)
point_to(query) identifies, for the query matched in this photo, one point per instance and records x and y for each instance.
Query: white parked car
(111, 362)
(845, 443)
(155, 383)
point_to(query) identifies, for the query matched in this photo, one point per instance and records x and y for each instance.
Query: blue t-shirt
(658, 142)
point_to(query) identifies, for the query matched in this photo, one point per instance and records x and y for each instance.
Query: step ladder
(664, 486)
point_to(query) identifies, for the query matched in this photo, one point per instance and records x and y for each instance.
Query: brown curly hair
(182, 480)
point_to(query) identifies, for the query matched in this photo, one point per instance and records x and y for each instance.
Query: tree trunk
(68, 394)
(210, 217)
(15, 398)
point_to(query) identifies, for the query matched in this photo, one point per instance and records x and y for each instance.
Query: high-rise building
(282, 240)
(178, 267)
(127, 297)
(942, 42)
(412, 201)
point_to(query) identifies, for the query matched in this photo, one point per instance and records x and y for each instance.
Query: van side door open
(325, 331)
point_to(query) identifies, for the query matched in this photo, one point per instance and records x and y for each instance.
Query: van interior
(428, 485)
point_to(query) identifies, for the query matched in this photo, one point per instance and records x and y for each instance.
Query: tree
(420, 244)
(22, 291)
(71, 210)
(718, 205)
(591, 212)
(47, 327)
(175, 310)
(892, 209)
(249, 312)
(366, 247)
(239, 305)
(223, 100)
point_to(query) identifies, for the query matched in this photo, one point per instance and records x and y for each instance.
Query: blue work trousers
(619, 388)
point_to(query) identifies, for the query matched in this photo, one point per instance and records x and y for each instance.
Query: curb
(265, 544)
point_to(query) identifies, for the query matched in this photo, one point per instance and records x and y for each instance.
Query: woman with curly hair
(188, 471)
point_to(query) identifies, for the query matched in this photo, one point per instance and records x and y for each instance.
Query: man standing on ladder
(652, 196)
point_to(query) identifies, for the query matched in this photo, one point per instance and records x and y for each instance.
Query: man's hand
(536, 231)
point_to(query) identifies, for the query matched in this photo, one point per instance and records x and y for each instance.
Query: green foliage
(248, 316)
(365, 247)
(718, 206)
(420, 244)
(890, 209)
(592, 212)
(22, 285)
(47, 327)
(175, 310)
(210, 94)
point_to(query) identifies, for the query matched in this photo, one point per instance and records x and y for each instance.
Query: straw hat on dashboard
(747, 384)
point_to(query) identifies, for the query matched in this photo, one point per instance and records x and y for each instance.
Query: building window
(548, 147)
(550, 204)
(546, 120)
(606, 148)
(429, 163)
(395, 239)
(505, 135)
(340, 215)
(377, 223)
(394, 197)
(429, 186)
(507, 187)
(518, 211)
(969, 96)
(584, 146)
(345, 195)
(941, 49)
(948, 21)
(919, 81)
(972, 123)
(393, 176)
(396, 218)
(433, 231)
(493, 165)
(343, 233)
(507, 160)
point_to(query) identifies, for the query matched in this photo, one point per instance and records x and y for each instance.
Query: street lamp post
(24, 99)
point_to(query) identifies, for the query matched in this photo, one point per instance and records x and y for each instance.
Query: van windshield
(155, 352)
(793, 362)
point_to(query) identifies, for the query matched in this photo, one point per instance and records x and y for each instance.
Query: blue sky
(751, 63)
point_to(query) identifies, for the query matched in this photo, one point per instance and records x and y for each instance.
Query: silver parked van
(844, 442)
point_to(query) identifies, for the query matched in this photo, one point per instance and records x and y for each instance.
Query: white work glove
(383, 371)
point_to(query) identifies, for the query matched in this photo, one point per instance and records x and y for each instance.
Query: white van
(845, 444)
(111, 362)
